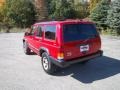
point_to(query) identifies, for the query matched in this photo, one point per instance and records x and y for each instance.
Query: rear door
(50, 39)
(80, 40)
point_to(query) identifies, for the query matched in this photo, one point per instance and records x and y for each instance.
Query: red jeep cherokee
(62, 43)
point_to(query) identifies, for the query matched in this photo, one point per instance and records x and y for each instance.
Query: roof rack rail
(51, 19)
(62, 19)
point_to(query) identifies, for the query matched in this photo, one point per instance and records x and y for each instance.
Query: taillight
(60, 56)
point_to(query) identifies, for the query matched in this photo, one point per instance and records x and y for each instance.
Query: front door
(38, 38)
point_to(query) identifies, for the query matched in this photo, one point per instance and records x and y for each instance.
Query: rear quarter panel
(53, 46)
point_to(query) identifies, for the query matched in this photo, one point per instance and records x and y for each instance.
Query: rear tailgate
(80, 40)
(81, 48)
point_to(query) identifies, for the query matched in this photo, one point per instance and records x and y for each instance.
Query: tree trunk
(41, 8)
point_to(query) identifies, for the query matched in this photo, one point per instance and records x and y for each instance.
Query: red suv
(62, 43)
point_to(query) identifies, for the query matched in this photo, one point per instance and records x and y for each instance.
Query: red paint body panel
(74, 48)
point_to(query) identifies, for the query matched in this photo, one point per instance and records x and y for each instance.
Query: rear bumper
(62, 63)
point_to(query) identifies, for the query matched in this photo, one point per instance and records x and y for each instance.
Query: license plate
(84, 48)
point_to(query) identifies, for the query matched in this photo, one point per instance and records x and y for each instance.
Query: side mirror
(26, 34)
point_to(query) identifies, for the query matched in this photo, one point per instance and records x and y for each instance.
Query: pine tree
(114, 17)
(99, 14)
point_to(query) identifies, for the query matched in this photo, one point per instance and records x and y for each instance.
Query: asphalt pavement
(24, 72)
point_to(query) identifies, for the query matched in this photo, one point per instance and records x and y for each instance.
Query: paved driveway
(23, 72)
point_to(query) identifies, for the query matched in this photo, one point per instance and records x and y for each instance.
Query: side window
(34, 28)
(50, 32)
(39, 31)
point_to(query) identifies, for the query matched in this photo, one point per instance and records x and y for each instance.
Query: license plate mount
(84, 48)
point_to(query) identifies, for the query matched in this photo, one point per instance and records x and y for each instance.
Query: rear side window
(50, 32)
(74, 32)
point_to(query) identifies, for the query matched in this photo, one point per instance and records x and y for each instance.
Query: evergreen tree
(51, 7)
(82, 10)
(93, 4)
(61, 9)
(114, 17)
(99, 14)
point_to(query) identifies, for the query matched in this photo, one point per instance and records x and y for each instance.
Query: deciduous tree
(19, 13)
(93, 4)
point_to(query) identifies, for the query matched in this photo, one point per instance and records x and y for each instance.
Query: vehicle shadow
(96, 69)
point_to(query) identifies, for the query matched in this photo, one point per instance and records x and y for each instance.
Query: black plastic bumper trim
(63, 63)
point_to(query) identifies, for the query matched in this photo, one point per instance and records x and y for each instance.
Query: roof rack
(61, 19)
(51, 19)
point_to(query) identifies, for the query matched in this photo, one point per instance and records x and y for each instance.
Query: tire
(47, 65)
(27, 50)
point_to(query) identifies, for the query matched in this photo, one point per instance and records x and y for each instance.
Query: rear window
(74, 32)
